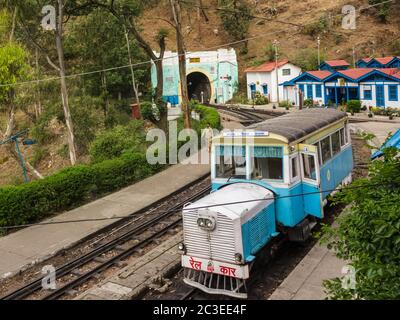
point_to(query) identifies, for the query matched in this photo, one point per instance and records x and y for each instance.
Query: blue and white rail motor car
(273, 177)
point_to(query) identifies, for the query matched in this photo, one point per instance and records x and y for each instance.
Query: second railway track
(138, 232)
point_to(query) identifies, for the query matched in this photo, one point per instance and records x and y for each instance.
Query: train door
(311, 180)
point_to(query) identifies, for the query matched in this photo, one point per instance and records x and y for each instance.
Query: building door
(380, 96)
(310, 93)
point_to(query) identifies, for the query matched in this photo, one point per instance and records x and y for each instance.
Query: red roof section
(356, 73)
(394, 72)
(267, 66)
(366, 60)
(337, 63)
(320, 74)
(384, 60)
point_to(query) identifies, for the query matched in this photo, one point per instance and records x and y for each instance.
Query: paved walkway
(34, 244)
(305, 281)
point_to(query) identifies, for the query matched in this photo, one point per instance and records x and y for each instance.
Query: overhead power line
(199, 207)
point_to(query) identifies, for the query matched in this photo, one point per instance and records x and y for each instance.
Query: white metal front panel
(221, 243)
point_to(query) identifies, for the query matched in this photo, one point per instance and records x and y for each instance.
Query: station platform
(34, 244)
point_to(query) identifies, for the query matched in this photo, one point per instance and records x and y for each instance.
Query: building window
(253, 87)
(326, 149)
(286, 72)
(367, 94)
(265, 89)
(318, 91)
(231, 162)
(393, 93)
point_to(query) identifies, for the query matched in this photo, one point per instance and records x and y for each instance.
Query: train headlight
(238, 257)
(207, 224)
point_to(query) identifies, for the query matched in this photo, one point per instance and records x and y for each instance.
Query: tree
(176, 13)
(382, 8)
(236, 17)
(369, 234)
(127, 13)
(28, 19)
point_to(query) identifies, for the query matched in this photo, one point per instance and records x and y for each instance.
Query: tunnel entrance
(199, 87)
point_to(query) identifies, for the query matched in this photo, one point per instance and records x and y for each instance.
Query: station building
(264, 79)
(212, 76)
(385, 62)
(374, 87)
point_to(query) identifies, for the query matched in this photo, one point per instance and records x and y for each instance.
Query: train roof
(296, 125)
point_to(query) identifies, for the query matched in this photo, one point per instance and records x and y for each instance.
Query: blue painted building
(374, 87)
(334, 65)
(385, 62)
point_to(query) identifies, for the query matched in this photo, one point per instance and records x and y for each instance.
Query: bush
(316, 28)
(146, 109)
(354, 106)
(32, 201)
(307, 59)
(209, 116)
(114, 142)
(308, 103)
(285, 104)
(259, 99)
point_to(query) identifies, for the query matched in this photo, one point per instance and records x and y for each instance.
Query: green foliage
(381, 10)
(13, 67)
(368, 235)
(70, 187)
(316, 28)
(239, 97)
(395, 48)
(260, 99)
(208, 116)
(308, 103)
(38, 155)
(146, 109)
(285, 104)
(114, 142)
(236, 17)
(354, 106)
(270, 52)
(307, 59)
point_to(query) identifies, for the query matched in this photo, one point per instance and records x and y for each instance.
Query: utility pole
(176, 12)
(354, 56)
(135, 88)
(319, 53)
(276, 69)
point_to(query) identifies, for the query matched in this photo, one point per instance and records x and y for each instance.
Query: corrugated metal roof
(394, 141)
(296, 125)
(267, 67)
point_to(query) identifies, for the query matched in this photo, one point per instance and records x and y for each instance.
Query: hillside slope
(371, 37)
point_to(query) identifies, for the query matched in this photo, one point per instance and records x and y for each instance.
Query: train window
(318, 146)
(335, 143)
(326, 149)
(231, 162)
(267, 168)
(295, 167)
(310, 170)
(342, 137)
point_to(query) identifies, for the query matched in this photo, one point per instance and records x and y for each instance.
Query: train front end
(222, 233)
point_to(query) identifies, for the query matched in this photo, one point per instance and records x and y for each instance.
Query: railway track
(146, 229)
(248, 116)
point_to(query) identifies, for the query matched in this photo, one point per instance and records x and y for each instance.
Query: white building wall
(320, 100)
(373, 102)
(258, 78)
